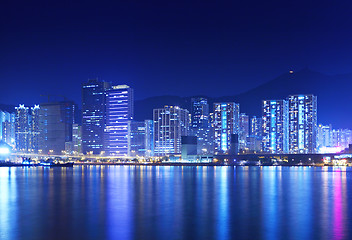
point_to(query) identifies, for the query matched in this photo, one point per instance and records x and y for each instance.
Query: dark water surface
(149, 202)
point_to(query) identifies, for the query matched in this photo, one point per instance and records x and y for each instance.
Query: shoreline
(176, 164)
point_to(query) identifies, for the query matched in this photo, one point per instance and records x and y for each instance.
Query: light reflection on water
(144, 202)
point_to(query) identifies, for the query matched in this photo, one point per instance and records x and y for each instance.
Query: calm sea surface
(149, 202)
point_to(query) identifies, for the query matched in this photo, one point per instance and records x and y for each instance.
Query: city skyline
(329, 103)
(175, 119)
(160, 48)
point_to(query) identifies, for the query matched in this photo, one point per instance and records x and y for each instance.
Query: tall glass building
(76, 139)
(243, 131)
(22, 128)
(275, 126)
(140, 138)
(55, 123)
(7, 127)
(302, 123)
(170, 123)
(256, 126)
(201, 126)
(119, 111)
(93, 116)
(34, 129)
(324, 136)
(226, 123)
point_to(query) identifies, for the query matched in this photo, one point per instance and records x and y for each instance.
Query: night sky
(169, 47)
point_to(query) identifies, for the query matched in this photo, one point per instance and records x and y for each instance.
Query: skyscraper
(55, 124)
(93, 116)
(226, 123)
(324, 136)
(200, 113)
(77, 138)
(243, 130)
(119, 110)
(302, 123)
(34, 130)
(170, 123)
(140, 138)
(7, 126)
(200, 126)
(341, 138)
(275, 126)
(256, 126)
(22, 128)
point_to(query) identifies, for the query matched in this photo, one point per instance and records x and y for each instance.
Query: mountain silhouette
(334, 97)
(333, 91)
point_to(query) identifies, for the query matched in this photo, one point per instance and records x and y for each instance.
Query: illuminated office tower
(119, 110)
(7, 126)
(226, 123)
(341, 138)
(4, 116)
(256, 126)
(200, 113)
(8, 131)
(170, 123)
(140, 138)
(22, 128)
(93, 116)
(243, 130)
(76, 139)
(34, 130)
(275, 126)
(302, 123)
(254, 140)
(200, 125)
(324, 136)
(55, 123)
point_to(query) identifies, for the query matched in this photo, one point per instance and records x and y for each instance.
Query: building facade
(140, 141)
(275, 126)
(201, 126)
(256, 126)
(55, 123)
(243, 131)
(76, 139)
(302, 124)
(119, 111)
(93, 116)
(7, 122)
(22, 128)
(34, 131)
(170, 123)
(226, 123)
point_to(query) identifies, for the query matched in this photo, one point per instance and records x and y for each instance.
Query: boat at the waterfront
(52, 163)
(27, 162)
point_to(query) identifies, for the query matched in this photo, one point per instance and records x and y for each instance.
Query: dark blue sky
(179, 48)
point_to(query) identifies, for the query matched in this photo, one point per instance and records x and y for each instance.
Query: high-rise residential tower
(226, 123)
(22, 128)
(76, 139)
(170, 123)
(275, 126)
(243, 130)
(34, 130)
(256, 126)
(302, 123)
(93, 116)
(324, 136)
(119, 111)
(7, 126)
